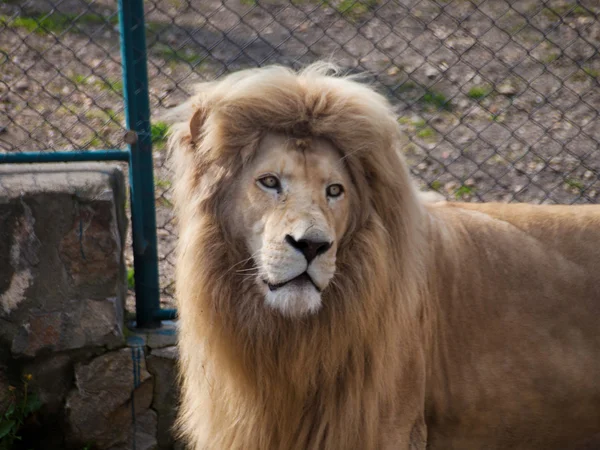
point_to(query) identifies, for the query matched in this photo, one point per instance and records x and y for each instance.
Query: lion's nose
(310, 249)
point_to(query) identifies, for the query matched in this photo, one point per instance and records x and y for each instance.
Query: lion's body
(514, 358)
(448, 325)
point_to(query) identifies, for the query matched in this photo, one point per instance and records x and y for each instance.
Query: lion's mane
(252, 379)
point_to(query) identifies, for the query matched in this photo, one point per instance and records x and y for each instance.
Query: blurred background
(499, 98)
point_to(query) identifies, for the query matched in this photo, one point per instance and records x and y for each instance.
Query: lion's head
(293, 174)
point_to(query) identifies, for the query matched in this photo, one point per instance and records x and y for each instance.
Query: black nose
(310, 249)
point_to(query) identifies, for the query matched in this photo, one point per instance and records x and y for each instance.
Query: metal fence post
(137, 113)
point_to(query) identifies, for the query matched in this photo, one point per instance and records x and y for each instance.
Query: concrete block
(62, 271)
(100, 408)
(162, 364)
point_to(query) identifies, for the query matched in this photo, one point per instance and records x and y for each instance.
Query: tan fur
(463, 326)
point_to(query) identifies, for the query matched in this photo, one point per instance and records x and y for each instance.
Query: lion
(325, 304)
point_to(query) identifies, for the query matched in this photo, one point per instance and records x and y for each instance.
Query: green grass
(568, 9)
(353, 9)
(158, 131)
(423, 131)
(56, 23)
(550, 58)
(436, 185)
(68, 109)
(574, 183)
(95, 142)
(426, 133)
(406, 87)
(130, 278)
(164, 202)
(436, 99)
(592, 72)
(550, 14)
(580, 76)
(419, 123)
(105, 84)
(20, 405)
(163, 184)
(419, 126)
(79, 79)
(463, 191)
(104, 114)
(170, 54)
(479, 92)
(110, 85)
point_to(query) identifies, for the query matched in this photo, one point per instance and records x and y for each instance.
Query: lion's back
(518, 297)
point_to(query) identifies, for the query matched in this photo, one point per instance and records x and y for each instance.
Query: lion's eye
(270, 182)
(334, 190)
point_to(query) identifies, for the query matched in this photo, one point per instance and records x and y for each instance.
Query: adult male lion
(324, 306)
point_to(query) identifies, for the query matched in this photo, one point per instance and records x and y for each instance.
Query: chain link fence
(500, 99)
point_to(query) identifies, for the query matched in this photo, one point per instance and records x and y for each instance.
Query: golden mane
(334, 370)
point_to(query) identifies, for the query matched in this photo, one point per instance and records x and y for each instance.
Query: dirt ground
(500, 99)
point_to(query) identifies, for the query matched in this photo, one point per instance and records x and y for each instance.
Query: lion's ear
(197, 123)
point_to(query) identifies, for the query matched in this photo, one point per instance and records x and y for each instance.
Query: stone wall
(62, 324)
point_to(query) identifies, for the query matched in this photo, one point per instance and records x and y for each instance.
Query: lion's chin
(294, 301)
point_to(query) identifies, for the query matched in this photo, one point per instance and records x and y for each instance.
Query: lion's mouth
(300, 279)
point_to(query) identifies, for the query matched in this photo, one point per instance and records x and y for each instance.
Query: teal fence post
(137, 114)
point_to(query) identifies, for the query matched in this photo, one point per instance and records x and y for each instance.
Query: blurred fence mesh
(500, 99)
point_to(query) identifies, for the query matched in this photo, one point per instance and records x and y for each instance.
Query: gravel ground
(500, 98)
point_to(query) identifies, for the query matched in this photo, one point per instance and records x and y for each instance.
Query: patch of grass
(479, 92)
(550, 14)
(112, 115)
(163, 184)
(158, 131)
(95, 142)
(426, 133)
(165, 202)
(592, 72)
(353, 9)
(580, 76)
(70, 110)
(170, 54)
(574, 183)
(568, 9)
(153, 28)
(406, 87)
(104, 114)
(130, 278)
(79, 79)
(110, 85)
(105, 84)
(20, 406)
(248, 2)
(436, 185)
(56, 23)
(436, 99)
(550, 58)
(420, 123)
(463, 191)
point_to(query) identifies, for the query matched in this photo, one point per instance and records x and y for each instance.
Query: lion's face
(292, 208)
